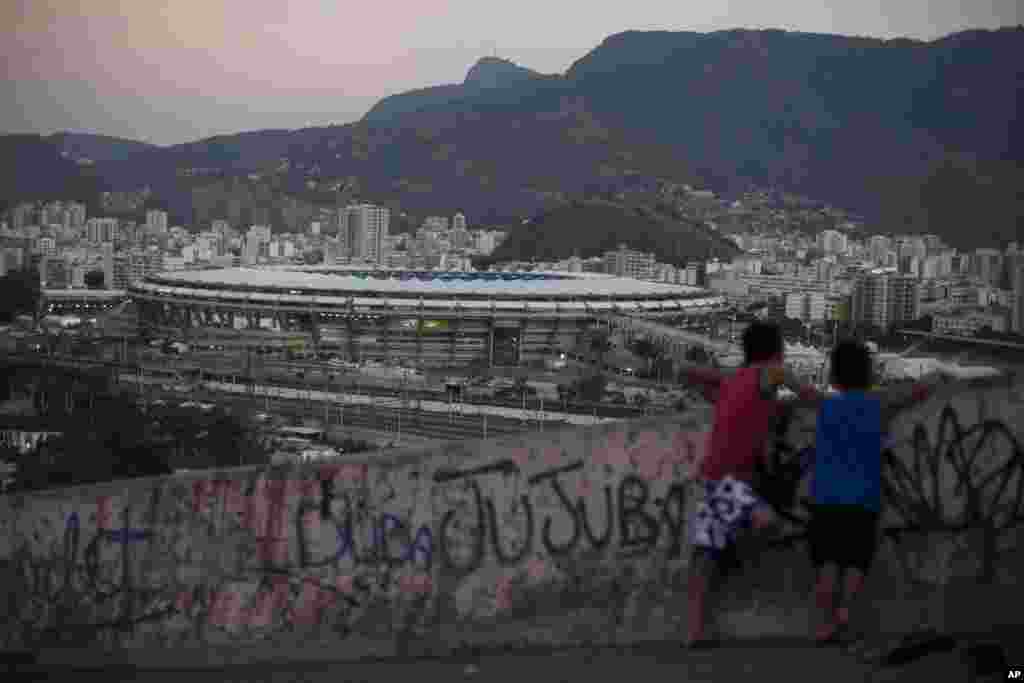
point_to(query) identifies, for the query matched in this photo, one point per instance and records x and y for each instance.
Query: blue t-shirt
(848, 451)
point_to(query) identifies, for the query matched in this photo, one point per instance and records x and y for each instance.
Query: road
(387, 415)
(321, 377)
(793, 661)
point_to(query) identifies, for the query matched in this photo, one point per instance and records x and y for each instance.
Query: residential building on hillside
(365, 227)
(988, 266)
(806, 306)
(968, 321)
(1017, 317)
(882, 298)
(626, 262)
(156, 222)
(100, 230)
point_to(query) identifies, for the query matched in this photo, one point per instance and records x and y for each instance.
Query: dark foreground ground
(789, 661)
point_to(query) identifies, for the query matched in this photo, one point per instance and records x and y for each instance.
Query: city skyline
(173, 74)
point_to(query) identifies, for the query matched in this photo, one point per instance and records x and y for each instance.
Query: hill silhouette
(918, 136)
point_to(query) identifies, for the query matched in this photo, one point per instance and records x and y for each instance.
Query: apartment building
(968, 321)
(362, 232)
(882, 298)
(156, 222)
(626, 262)
(100, 230)
(806, 306)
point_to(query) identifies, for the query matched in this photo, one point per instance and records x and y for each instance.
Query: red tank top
(740, 433)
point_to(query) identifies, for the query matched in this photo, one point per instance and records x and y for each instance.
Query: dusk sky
(170, 71)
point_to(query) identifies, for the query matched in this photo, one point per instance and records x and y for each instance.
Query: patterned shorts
(725, 510)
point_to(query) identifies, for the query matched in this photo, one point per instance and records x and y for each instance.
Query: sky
(172, 71)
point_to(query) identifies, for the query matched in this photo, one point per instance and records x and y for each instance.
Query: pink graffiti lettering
(345, 584)
(613, 452)
(503, 593)
(521, 457)
(349, 471)
(267, 602)
(648, 454)
(552, 456)
(225, 609)
(536, 568)
(266, 517)
(104, 515)
(416, 584)
(584, 487)
(311, 523)
(234, 498)
(183, 602)
(313, 601)
(206, 490)
(201, 491)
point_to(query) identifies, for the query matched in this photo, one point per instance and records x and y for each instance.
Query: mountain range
(916, 136)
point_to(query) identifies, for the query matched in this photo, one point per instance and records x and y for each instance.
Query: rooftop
(406, 282)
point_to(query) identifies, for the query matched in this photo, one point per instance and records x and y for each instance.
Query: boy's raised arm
(899, 398)
(773, 378)
(707, 379)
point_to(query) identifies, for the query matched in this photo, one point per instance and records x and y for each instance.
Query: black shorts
(844, 535)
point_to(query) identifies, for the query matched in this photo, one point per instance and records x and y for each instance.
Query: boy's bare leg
(763, 518)
(853, 581)
(701, 571)
(824, 598)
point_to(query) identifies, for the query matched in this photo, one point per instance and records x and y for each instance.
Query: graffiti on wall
(355, 549)
(337, 542)
(944, 475)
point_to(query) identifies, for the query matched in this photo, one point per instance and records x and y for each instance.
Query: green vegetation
(105, 435)
(591, 227)
(95, 279)
(21, 294)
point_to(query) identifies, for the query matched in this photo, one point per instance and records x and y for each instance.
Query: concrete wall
(573, 536)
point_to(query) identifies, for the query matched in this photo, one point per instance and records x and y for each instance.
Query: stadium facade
(437, 318)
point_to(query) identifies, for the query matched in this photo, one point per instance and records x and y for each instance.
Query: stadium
(435, 318)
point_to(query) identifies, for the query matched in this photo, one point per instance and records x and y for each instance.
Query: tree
(600, 345)
(650, 352)
(95, 279)
(792, 327)
(117, 440)
(923, 324)
(591, 388)
(21, 294)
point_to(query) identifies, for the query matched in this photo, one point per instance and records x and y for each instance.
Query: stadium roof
(406, 282)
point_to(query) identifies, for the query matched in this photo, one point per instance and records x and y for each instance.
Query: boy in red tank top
(746, 408)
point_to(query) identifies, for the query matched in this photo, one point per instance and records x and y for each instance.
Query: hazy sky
(169, 71)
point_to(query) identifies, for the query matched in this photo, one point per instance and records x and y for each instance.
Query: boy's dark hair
(761, 341)
(851, 365)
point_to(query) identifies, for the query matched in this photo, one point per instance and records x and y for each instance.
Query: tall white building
(74, 215)
(108, 265)
(806, 306)
(485, 241)
(884, 298)
(365, 227)
(626, 262)
(1017, 312)
(988, 265)
(100, 230)
(459, 222)
(832, 242)
(878, 248)
(156, 221)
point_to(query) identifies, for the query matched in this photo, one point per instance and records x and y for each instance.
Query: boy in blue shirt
(847, 482)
